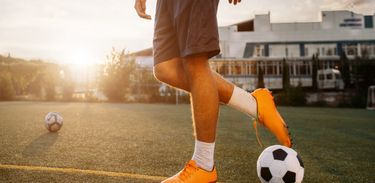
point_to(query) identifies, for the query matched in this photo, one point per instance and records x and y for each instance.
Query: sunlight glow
(81, 57)
(82, 63)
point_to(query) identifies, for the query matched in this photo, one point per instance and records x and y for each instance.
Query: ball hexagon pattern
(280, 164)
(279, 154)
(53, 121)
(265, 173)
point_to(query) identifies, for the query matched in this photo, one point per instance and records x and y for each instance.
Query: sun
(82, 64)
(81, 58)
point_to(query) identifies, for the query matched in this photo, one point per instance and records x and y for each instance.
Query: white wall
(333, 19)
(236, 49)
(262, 23)
(329, 30)
(323, 49)
(283, 27)
(238, 40)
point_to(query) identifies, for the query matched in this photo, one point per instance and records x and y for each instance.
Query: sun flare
(82, 64)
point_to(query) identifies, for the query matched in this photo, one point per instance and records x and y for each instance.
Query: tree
(260, 83)
(363, 76)
(314, 75)
(67, 89)
(35, 86)
(50, 91)
(7, 91)
(50, 75)
(344, 69)
(115, 80)
(286, 77)
(32, 77)
(145, 86)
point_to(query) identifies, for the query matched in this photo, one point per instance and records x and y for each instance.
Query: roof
(145, 52)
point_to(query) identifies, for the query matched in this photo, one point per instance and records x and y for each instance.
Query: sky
(84, 31)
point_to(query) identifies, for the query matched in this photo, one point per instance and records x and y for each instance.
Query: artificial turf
(336, 145)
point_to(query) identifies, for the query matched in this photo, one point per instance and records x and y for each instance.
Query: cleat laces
(187, 172)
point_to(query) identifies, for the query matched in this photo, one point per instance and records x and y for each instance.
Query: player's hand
(234, 1)
(140, 7)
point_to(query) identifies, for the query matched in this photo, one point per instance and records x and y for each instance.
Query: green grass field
(337, 145)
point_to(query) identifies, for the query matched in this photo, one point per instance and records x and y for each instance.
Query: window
(236, 68)
(253, 68)
(291, 69)
(223, 69)
(369, 22)
(367, 49)
(326, 64)
(330, 51)
(351, 50)
(258, 51)
(271, 68)
(261, 66)
(321, 77)
(303, 68)
(245, 69)
(323, 49)
(214, 67)
(329, 76)
(279, 68)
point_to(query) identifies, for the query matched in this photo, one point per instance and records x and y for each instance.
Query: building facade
(258, 43)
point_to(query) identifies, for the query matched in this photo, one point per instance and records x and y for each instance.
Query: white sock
(204, 155)
(243, 101)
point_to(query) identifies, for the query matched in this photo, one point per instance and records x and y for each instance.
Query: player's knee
(196, 67)
(160, 73)
(197, 63)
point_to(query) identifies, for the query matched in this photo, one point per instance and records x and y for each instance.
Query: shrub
(7, 91)
(293, 96)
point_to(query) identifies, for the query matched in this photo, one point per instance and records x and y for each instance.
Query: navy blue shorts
(185, 27)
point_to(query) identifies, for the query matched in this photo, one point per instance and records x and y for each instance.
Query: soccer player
(185, 37)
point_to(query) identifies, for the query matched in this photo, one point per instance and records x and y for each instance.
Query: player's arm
(140, 7)
(234, 1)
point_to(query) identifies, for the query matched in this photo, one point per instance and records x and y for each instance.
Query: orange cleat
(193, 174)
(268, 116)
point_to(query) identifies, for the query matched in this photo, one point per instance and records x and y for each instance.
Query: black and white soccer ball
(280, 164)
(53, 121)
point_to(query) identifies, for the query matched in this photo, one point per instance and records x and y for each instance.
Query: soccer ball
(53, 121)
(280, 164)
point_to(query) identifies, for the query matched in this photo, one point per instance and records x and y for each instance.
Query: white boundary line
(82, 171)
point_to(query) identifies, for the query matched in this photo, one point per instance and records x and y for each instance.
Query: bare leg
(204, 96)
(172, 73)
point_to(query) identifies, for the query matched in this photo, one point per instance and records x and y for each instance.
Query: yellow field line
(76, 171)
